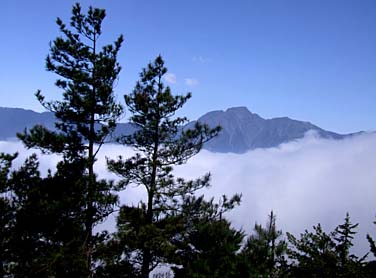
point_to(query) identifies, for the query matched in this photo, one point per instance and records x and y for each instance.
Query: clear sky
(312, 60)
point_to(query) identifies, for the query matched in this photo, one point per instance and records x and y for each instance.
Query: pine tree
(86, 115)
(263, 253)
(371, 266)
(313, 255)
(208, 246)
(343, 236)
(43, 234)
(24, 244)
(319, 254)
(160, 143)
(372, 243)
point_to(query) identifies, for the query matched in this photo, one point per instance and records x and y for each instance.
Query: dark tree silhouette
(86, 115)
(160, 143)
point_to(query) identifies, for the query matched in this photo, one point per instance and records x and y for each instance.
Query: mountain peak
(238, 109)
(242, 113)
(243, 130)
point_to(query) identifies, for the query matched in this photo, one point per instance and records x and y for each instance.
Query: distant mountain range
(242, 130)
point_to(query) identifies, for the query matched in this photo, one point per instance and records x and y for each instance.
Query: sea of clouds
(305, 182)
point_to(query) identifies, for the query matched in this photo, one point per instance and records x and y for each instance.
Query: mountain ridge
(244, 130)
(241, 131)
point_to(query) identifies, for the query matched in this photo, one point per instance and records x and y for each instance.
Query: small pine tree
(371, 266)
(208, 246)
(343, 236)
(160, 143)
(313, 255)
(372, 243)
(263, 253)
(318, 254)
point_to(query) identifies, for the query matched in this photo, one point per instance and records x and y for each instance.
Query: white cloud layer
(305, 182)
(170, 78)
(191, 81)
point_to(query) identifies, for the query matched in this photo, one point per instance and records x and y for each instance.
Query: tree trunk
(91, 186)
(145, 269)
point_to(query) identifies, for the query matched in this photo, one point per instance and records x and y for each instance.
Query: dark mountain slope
(13, 120)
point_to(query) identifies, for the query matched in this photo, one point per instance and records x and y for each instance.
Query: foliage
(208, 246)
(318, 254)
(43, 232)
(372, 243)
(160, 143)
(7, 213)
(263, 253)
(86, 116)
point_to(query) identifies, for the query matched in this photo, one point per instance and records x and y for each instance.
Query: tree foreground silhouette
(86, 115)
(160, 143)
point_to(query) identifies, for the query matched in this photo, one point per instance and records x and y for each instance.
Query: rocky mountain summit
(244, 130)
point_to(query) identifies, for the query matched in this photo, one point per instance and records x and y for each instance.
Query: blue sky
(312, 60)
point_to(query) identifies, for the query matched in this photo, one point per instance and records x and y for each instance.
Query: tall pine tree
(87, 113)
